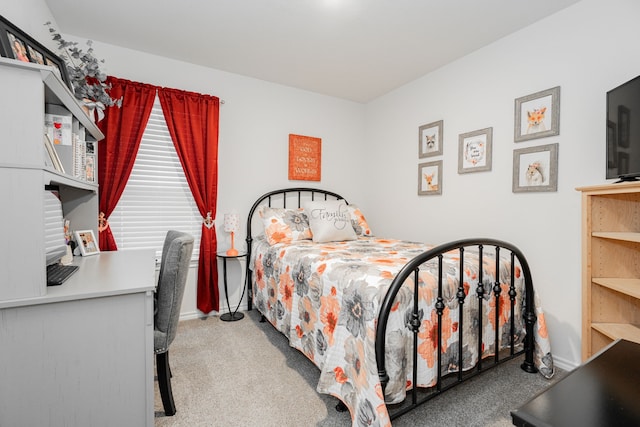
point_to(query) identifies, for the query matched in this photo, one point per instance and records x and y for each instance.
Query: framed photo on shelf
(430, 178)
(18, 45)
(430, 139)
(87, 242)
(474, 151)
(535, 169)
(537, 115)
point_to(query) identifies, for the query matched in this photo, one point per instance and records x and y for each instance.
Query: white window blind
(157, 197)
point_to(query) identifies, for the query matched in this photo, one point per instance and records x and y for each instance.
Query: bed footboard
(414, 320)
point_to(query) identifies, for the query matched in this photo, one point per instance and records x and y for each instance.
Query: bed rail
(280, 198)
(437, 253)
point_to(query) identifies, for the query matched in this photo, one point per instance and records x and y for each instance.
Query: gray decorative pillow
(330, 221)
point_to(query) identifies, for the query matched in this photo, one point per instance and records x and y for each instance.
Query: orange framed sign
(305, 158)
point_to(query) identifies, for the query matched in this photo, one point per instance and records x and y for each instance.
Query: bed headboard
(285, 198)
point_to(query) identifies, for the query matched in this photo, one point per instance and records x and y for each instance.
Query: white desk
(82, 355)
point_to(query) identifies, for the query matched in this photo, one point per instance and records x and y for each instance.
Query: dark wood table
(604, 391)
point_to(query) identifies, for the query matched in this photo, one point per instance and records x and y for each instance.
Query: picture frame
(475, 151)
(624, 126)
(430, 178)
(305, 158)
(537, 115)
(18, 45)
(87, 242)
(535, 169)
(430, 139)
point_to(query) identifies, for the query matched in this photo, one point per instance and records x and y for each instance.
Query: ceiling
(352, 49)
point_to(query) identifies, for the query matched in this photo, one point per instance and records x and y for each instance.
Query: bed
(347, 299)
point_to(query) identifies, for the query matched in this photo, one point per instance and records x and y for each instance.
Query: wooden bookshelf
(610, 265)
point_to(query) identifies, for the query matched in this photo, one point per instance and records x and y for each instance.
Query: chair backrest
(176, 255)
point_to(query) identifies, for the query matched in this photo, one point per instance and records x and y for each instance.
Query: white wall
(370, 152)
(586, 49)
(255, 122)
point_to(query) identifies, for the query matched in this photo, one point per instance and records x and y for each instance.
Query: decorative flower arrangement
(83, 68)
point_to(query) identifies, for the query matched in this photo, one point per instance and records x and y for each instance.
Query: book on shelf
(90, 162)
(54, 159)
(79, 157)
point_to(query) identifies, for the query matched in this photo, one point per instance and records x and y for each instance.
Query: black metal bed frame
(416, 396)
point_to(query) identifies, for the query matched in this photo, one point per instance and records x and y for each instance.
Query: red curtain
(192, 119)
(123, 128)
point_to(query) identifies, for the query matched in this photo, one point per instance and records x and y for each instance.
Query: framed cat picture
(430, 139)
(430, 178)
(535, 169)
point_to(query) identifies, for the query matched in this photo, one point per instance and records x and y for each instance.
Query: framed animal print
(537, 115)
(474, 151)
(430, 178)
(535, 169)
(430, 139)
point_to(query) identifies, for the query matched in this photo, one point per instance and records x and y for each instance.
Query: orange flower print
(329, 308)
(427, 286)
(286, 291)
(341, 377)
(505, 307)
(542, 326)
(321, 268)
(429, 336)
(307, 315)
(278, 233)
(259, 273)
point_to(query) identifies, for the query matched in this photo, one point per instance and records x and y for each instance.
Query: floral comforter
(325, 298)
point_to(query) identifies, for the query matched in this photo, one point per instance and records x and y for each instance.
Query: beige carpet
(244, 374)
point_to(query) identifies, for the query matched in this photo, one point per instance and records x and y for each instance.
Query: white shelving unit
(26, 88)
(80, 353)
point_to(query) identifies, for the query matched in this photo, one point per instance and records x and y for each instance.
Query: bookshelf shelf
(26, 90)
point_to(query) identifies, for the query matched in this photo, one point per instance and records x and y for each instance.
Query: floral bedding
(325, 298)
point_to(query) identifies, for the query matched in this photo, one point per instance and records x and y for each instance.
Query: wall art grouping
(534, 168)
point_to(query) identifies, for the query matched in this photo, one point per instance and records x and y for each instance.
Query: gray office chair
(176, 255)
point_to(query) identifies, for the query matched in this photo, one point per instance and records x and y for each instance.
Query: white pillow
(330, 221)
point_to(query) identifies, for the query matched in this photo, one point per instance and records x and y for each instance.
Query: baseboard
(564, 364)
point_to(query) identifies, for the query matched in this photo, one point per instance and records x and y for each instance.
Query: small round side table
(230, 316)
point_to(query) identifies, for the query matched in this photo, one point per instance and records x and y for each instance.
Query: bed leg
(341, 407)
(528, 365)
(263, 319)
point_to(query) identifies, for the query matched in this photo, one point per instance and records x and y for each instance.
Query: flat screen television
(623, 131)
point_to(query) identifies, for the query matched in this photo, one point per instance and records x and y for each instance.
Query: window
(157, 197)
